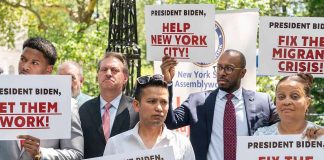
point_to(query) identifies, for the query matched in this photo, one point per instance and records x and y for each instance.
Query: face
(291, 100)
(153, 107)
(232, 81)
(111, 76)
(33, 61)
(77, 79)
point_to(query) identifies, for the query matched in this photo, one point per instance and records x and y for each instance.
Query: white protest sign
(39, 106)
(288, 147)
(165, 153)
(185, 32)
(290, 45)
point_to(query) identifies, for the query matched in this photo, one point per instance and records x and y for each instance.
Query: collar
(115, 102)
(237, 94)
(134, 134)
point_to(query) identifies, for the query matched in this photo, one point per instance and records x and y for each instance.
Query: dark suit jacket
(94, 140)
(198, 112)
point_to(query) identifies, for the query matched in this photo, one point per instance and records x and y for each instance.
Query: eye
(35, 63)
(295, 96)
(229, 69)
(164, 103)
(115, 70)
(103, 69)
(151, 101)
(22, 59)
(280, 97)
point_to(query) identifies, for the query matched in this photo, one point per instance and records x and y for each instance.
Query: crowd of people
(113, 123)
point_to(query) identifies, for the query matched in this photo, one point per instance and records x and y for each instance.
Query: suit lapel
(121, 117)
(210, 105)
(96, 117)
(248, 97)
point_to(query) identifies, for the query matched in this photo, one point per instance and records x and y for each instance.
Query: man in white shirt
(152, 103)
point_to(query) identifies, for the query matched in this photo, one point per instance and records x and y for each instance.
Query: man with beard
(111, 112)
(216, 117)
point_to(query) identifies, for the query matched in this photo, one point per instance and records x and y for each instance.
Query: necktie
(106, 121)
(229, 129)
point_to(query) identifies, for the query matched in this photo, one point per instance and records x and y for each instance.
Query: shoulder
(268, 130)
(126, 99)
(177, 137)
(89, 104)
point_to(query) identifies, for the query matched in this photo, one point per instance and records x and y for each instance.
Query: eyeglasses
(145, 79)
(227, 69)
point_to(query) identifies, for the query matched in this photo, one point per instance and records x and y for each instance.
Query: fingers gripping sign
(31, 145)
(168, 68)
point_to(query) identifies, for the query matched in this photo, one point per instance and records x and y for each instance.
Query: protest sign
(281, 147)
(185, 32)
(165, 153)
(39, 106)
(290, 45)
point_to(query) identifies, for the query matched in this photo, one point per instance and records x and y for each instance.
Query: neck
(109, 96)
(292, 127)
(149, 134)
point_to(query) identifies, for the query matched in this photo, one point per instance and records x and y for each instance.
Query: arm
(313, 132)
(274, 117)
(179, 117)
(71, 149)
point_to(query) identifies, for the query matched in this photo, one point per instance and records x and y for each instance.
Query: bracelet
(38, 156)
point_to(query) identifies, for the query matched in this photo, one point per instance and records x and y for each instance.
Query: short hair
(44, 46)
(242, 57)
(151, 83)
(117, 55)
(73, 63)
(303, 78)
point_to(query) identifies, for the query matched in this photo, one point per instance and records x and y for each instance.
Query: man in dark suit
(205, 112)
(111, 112)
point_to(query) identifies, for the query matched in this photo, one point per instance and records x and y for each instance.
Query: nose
(158, 107)
(287, 102)
(108, 73)
(25, 66)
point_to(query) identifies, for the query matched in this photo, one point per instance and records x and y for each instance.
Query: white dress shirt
(130, 141)
(216, 146)
(113, 109)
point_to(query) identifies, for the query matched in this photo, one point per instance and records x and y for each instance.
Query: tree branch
(29, 8)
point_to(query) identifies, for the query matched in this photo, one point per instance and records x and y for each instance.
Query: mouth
(222, 80)
(286, 110)
(23, 72)
(159, 117)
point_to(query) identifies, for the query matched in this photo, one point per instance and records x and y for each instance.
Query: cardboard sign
(290, 45)
(185, 32)
(288, 147)
(39, 106)
(165, 153)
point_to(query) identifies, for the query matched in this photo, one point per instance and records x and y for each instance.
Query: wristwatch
(38, 156)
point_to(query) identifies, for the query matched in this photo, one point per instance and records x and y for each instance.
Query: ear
(136, 105)
(309, 101)
(243, 71)
(81, 79)
(125, 78)
(49, 69)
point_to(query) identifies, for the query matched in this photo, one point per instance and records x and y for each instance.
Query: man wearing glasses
(216, 117)
(152, 103)
(111, 112)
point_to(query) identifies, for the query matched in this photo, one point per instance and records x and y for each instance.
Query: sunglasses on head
(145, 79)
